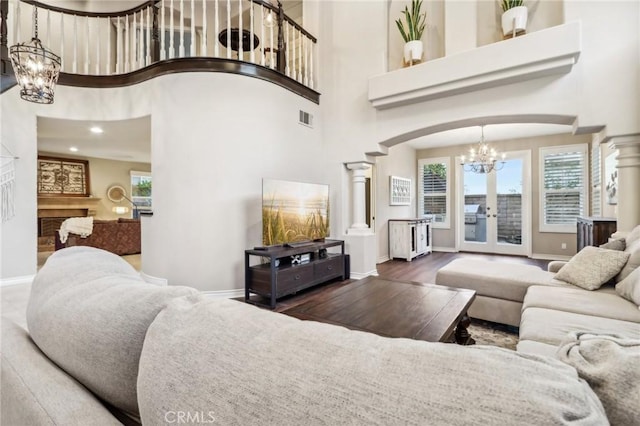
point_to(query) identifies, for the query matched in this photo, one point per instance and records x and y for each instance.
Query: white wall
(350, 51)
(18, 236)
(210, 150)
(609, 81)
(400, 162)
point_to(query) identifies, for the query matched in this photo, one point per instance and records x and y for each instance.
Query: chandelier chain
(35, 21)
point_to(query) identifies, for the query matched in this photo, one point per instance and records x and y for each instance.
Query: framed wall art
(63, 177)
(399, 191)
(611, 178)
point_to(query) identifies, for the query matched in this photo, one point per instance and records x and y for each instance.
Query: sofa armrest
(555, 265)
(37, 391)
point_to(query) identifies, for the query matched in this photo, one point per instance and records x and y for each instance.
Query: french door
(494, 209)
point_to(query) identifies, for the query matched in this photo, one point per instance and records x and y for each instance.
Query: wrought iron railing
(159, 36)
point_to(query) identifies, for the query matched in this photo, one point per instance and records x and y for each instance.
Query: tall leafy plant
(415, 21)
(510, 4)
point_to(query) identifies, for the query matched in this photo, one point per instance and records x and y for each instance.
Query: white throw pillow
(619, 245)
(633, 248)
(629, 288)
(592, 267)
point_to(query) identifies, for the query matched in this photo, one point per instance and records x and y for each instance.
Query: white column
(358, 173)
(361, 244)
(628, 182)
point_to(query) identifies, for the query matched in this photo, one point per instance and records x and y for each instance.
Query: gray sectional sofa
(550, 313)
(543, 307)
(103, 347)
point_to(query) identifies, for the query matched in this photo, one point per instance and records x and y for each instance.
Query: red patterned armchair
(120, 236)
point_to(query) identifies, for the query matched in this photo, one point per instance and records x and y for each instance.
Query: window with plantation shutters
(433, 198)
(563, 187)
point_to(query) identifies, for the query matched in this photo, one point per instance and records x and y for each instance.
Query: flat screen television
(294, 212)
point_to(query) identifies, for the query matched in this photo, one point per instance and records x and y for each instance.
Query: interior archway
(563, 120)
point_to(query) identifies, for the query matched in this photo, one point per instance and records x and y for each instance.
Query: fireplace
(52, 211)
(47, 226)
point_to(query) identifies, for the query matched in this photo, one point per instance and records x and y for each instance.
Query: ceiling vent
(306, 119)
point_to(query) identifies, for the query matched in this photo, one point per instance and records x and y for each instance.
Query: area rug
(493, 334)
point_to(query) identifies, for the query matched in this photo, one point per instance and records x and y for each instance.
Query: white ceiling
(124, 140)
(130, 140)
(492, 132)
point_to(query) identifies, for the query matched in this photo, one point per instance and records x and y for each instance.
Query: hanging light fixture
(36, 68)
(482, 159)
(269, 21)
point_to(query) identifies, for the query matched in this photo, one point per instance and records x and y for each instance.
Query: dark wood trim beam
(197, 64)
(155, 36)
(299, 28)
(90, 14)
(7, 79)
(144, 6)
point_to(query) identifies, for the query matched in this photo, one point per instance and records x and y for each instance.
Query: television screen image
(294, 211)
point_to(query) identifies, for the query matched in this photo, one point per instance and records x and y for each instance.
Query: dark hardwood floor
(422, 269)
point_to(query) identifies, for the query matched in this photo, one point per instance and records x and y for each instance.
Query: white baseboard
(26, 279)
(383, 259)
(543, 256)
(445, 249)
(359, 275)
(154, 280)
(225, 294)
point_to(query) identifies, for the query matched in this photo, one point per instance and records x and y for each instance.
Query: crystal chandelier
(483, 158)
(36, 68)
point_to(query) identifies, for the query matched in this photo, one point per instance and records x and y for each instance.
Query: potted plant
(415, 22)
(514, 17)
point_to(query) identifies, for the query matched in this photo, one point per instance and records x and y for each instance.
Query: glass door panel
(494, 208)
(475, 207)
(509, 202)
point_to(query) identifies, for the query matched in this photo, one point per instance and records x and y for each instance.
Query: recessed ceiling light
(73, 149)
(96, 129)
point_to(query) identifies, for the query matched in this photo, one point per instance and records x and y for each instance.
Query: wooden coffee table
(394, 309)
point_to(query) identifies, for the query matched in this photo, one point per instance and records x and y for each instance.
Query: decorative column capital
(629, 147)
(625, 140)
(358, 165)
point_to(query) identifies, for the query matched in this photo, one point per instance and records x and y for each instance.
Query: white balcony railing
(116, 43)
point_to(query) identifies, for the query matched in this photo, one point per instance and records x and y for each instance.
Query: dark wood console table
(280, 277)
(593, 231)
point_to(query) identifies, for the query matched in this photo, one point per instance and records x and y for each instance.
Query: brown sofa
(120, 236)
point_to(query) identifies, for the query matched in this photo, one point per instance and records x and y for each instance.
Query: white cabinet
(409, 238)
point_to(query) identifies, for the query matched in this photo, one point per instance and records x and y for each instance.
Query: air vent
(306, 119)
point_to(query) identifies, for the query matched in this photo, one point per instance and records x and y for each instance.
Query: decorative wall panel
(63, 177)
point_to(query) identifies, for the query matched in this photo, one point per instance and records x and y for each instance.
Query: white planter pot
(516, 16)
(413, 52)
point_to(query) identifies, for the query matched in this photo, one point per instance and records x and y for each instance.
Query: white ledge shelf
(540, 54)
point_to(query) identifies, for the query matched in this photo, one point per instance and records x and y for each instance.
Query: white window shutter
(564, 187)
